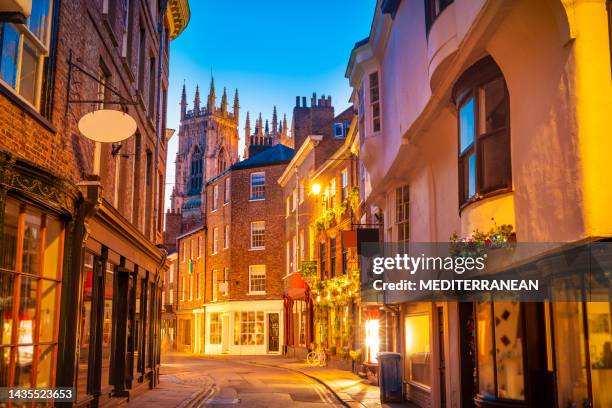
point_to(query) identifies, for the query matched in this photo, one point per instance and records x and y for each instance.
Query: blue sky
(271, 50)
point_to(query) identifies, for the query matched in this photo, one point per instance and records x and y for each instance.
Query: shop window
(433, 8)
(258, 186)
(484, 138)
(107, 322)
(500, 350)
(258, 231)
(23, 51)
(28, 333)
(215, 329)
(418, 355)
(257, 279)
(85, 323)
(249, 328)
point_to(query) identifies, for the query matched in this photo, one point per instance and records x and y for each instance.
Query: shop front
(298, 315)
(245, 328)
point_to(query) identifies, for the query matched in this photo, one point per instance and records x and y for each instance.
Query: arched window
(221, 161)
(196, 175)
(482, 102)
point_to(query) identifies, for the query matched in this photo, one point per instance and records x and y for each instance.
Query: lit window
(258, 186)
(257, 279)
(417, 349)
(23, 51)
(249, 328)
(375, 101)
(258, 230)
(339, 130)
(215, 243)
(215, 329)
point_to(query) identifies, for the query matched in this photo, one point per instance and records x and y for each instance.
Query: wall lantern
(315, 189)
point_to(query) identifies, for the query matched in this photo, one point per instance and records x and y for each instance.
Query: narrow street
(234, 382)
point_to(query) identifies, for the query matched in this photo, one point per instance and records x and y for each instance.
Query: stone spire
(184, 102)
(236, 105)
(224, 101)
(284, 132)
(212, 99)
(247, 128)
(267, 128)
(259, 126)
(274, 120)
(196, 101)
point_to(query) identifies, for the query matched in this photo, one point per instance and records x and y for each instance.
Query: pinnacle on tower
(267, 128)
(184, 102)
(284, 132)
(247, 127)
(224, 101)
(196, 100)
(274, 120)
(212, 100)
(259, 125)
(236, 105)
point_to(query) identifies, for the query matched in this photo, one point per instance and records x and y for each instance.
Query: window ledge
(257, 249)
(478, 197)
(255, 293)
(257, 199)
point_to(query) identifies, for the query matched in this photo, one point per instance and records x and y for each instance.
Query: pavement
(189, 381)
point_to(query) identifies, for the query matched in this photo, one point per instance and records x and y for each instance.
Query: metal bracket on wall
(74, 68)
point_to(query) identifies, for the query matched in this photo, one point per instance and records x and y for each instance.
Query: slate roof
(276, 154)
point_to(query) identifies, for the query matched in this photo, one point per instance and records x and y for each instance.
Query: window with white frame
(344, 184)
(215, 329)
(402, 213)
(258, 186)
(199, 249)
(249, 328)
(288, 256)
(23, 51)
(258, 231)
(226, 237)
(215, 243)
(226, 191)
(215, 198)
(257, 279)
(226, 281)
(288, 206)
(375, 101)
(339, 130)
(332, 191)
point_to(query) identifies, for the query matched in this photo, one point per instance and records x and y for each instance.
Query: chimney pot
(297, 101)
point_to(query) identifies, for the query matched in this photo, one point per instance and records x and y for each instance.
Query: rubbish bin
(390, 377)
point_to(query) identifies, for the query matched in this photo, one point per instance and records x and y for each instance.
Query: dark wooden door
(273, 332)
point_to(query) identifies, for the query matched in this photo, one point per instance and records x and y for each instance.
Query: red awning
(297, 286)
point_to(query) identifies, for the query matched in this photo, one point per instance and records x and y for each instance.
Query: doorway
(273, 332)
(225, 334)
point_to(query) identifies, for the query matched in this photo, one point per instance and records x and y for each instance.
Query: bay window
(23, 49)
(375, 101)
(482, 103)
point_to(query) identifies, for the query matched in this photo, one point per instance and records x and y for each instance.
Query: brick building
(169, 305)
(190, 290)
(95, 230)
(302, 207)
(244, 215)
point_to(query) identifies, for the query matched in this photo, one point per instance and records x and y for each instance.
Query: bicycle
(317, 358)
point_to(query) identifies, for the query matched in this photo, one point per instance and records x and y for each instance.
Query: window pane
(23, 366)
(10, 54)
(495, 156)
(7, 283)
(38, 19)
(484, 333)
(45, 366)
(29, 71)
(417, 348)
(27, 310)
(492, 106)
(8, 250)
(5, 359)
(31, 242)
(471, 176)
(509, 350)
(600, 345)
(52, 248)
(466, 124)
(570, 350)
(48, 312)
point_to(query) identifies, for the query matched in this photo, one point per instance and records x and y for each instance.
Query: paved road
(240, 384)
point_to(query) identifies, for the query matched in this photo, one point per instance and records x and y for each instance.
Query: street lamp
(315, 189)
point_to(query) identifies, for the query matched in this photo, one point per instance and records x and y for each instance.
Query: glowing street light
(315, 189)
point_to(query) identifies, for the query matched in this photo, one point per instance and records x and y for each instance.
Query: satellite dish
(107, 126)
